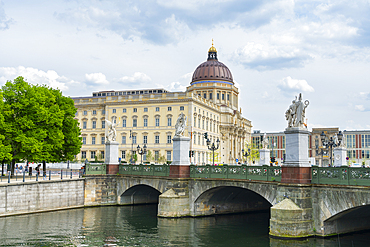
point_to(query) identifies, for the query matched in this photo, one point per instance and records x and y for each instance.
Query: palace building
(148, 116)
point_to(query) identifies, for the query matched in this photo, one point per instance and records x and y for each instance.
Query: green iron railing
(340, 175)
(261, 173)
(145, 170)
(95, 169)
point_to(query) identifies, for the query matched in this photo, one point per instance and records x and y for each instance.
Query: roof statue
(296, 113)
(180, 125)
(112, 134)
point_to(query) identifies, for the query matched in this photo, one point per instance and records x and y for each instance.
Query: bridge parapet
(343, 175)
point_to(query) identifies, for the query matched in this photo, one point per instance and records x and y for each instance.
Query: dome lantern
(212, 53)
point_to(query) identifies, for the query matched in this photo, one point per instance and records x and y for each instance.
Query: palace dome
(212, 69)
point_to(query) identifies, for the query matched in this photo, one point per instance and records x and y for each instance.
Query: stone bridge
(309, 209)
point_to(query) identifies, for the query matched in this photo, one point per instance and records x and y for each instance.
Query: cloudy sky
(274, 49)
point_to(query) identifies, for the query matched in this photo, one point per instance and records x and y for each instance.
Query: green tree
(253, 153)
(149, 156)
(39, 123)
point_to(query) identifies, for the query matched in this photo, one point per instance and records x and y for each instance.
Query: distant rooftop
(129, 92)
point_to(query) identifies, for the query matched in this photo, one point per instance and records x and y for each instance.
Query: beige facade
(149, 117)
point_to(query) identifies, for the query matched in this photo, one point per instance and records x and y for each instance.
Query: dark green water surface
(139, 226)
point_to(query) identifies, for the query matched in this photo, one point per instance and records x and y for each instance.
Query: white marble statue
(296, 112)
(112, 134)
(335, 139)
(265, 142)
(343, 142)
(180, 125)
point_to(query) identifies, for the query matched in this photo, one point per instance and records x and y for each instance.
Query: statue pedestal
(296, 168)
(111, 157)
(180, 166)
(339, 157)
(264, 157)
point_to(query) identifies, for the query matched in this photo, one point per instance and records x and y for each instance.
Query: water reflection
(139, 226)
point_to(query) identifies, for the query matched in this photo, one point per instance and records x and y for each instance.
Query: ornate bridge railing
(146, 170)
(262, 173)
(95, 169)
(341, 175)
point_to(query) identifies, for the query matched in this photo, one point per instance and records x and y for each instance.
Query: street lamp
(213, 147)
(246, 154)
(331, 143)
(141, 151)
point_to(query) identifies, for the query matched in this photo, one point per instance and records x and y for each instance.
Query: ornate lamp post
(141, 151)
(246, 154)
(213, 147)
(331, 143)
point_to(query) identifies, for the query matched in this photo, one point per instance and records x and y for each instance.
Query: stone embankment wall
(41, 196)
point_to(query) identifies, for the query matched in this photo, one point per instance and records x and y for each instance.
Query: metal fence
(95, 169)
(261, 173)
(38, 176)
(145, 170)
(340, 175)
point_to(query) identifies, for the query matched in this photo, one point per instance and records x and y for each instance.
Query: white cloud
(35, 76)
(97, 78)
(291, 84)
(268, 57)
(176, 87)
(360, 107)
(137, 77)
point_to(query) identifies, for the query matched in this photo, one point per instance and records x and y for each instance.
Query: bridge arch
(225, 197)
(229, 199)
(348, 220)
(140, 191)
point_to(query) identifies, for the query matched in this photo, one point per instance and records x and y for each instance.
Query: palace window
(168, 155)
(92, 154)
(103, 112)
(102, 154)
(85, 113)
(134, 139)
(94, 112)
(156, 155)
(94, 124)
(218, 95)
(156, 139)
(181, 108)
(123, 155)
(157, 109)
(114, 110)
(145, 109)
(84, 124)
(124, 110)
(365, 141)
(145, 122)
(169, 121)
(135, 109)
(157, 122)
(223, 96)
(169, 138)
(84, 140)
(134, 122)
(93, 140)
(123, 122)
(145, 140)
(103, 140)
(83, 154)
(123, 139)
(210, 95)
(103, 124)
(169, 108)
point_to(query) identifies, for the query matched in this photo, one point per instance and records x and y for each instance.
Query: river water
(139, 226)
